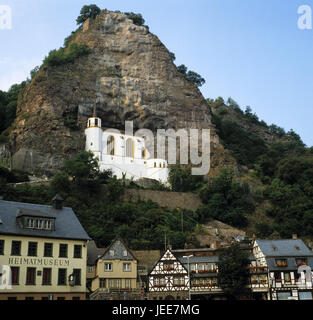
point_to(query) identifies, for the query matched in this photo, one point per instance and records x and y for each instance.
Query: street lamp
(188, 257)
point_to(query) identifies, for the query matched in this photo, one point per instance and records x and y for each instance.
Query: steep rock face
(129, 76)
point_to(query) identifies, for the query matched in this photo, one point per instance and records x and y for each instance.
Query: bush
(136, 17)
(64, 56)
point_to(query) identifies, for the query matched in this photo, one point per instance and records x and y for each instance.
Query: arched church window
(111, 146)
(130, 148)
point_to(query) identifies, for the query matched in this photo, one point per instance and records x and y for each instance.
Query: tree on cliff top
(91, 11)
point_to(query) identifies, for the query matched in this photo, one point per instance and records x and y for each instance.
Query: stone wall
(170, 200)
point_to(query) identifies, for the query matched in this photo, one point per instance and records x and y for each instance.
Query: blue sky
(250, 50)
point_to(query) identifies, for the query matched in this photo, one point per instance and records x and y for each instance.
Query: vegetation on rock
(191, 75)
(91, 11)
(66, 55)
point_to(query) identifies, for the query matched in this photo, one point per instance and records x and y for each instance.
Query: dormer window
(125, 253)
(281, 263)
(301, 262)
(112, 253)
(38, 223)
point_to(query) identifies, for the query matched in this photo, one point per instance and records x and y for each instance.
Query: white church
(125, 155)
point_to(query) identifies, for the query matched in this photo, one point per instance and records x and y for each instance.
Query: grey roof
(34, 213)
(67, 226)
(284, 248)
(200, 259)
(93, 253)
(119, 247)
(291, 264)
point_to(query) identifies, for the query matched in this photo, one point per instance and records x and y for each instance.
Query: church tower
(93, 134)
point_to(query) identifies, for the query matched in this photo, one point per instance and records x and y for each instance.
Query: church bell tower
(93, 134)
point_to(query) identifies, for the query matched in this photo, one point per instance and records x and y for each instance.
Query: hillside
(117, 66)
(261, 178)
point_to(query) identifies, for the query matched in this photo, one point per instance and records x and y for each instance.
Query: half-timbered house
(289, 264)
(169, 279)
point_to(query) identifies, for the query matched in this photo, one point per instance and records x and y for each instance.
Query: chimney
(294, 236)
(57, 202)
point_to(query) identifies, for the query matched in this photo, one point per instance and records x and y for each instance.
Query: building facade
(43, 252)
(169, 279)
(289, 266)
(126, 155)
(115, 274)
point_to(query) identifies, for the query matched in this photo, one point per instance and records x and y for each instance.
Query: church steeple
(94, 111)
(94, 121)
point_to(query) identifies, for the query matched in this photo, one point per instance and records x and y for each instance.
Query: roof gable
(168, 257)
(118, 251)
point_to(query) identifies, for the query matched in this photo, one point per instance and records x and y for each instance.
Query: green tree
(182, 69)
(83, 167)
(195, 78)
(136, 17)
(182, 180)
(233, 274)
(91, 11)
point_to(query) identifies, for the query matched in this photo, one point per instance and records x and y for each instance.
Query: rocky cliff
(129, 75)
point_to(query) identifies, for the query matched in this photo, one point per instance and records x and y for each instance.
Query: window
(281, 262)
(108, 267)
(96, 122)
(277, 276)
(77, 275)
(179, 281)
(46, 276)
(90, 269)
(287, 277)
(12, 298)
(168, 266)
(62, 277)
(125, 253)
(112, 253)
(60, 298)
(15, 272)
(305, 295)
(48, 250)
(76, 298)
(111, 146)
(102, 283)
(29, 298)
(44, 298)
(63, 251)
(128, 283)
(77, 251)
(31, 276)
(40, 224)
(16, 248)
(283, 295)
(32, 249)
(301, 262)
(115, 283)
(129, 148)
(126, 267)
(1, 247)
